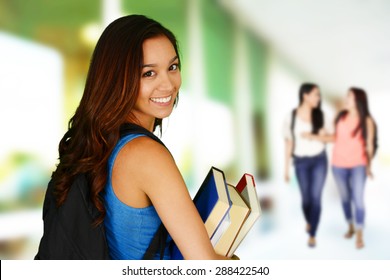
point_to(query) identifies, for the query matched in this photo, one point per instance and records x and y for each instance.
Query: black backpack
(69, 233)
(375, 140)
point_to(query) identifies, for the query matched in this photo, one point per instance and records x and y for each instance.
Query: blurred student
(353, 150)
(303, 129)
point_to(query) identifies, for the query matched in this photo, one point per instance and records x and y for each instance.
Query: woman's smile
(162, 100)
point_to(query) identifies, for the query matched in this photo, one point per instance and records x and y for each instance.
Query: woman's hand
(286, 176)
(307, 135)
(369, 173)
(288, 155)
(322, 136)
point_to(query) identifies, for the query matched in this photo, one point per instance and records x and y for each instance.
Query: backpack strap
(131, 128)
(293, 117)
(375, 139)
(158, 241)
(160, 237)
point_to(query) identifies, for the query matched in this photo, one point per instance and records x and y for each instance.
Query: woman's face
(313, 98)
(350, 101)
(160, 81)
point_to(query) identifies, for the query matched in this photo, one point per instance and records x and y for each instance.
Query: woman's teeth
(161, 100)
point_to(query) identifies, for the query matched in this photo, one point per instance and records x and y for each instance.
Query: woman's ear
(305, 96)
(176, 99)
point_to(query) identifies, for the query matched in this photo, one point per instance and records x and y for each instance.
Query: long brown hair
(110, 93)
(363, 110)
(317, 116)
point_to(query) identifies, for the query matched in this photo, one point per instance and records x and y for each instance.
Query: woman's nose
(166, 82)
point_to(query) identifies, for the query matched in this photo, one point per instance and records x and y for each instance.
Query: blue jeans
(311, 174)
(350, 182)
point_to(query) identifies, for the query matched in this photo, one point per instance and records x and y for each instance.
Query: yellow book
(246, 187)
(238, 213)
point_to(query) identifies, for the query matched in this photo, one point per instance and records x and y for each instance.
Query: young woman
(134, 77)
(303, 130)
(352, 154)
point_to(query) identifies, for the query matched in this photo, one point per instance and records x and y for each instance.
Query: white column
(196, 57)
(243, 103)
(111, 10)
(197, 85)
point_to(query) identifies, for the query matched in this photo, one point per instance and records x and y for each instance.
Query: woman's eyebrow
(173, 59)
(154, 65)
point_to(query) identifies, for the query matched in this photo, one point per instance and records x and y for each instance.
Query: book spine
(243, 182)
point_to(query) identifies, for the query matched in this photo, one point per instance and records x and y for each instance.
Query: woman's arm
(322, 136)
(288, 153)
(370, 144)
(154, 175)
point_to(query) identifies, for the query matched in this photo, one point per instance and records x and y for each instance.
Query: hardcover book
(246, 187)
(238, 213)
(213, 203)
(228, 212)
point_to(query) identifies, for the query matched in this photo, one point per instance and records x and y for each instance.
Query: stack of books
(228, 212)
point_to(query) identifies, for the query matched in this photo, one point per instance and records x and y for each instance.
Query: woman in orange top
(352, 154)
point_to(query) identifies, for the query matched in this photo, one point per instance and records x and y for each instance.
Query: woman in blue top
(134, 77)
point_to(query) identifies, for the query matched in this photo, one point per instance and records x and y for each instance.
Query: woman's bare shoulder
(149, 165)
(370, 120)
(145, 151)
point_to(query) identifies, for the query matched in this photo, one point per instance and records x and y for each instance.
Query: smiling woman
(160, 81)
(133, 80)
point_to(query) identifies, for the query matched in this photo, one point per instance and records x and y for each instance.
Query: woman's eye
(174, 67)
(148, 74)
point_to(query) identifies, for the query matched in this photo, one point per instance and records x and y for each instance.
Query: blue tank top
(129, 230)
